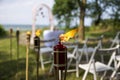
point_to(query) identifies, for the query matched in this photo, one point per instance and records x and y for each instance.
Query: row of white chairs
(94, 66)
(76, 54)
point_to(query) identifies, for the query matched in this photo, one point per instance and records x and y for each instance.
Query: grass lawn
(10, 71)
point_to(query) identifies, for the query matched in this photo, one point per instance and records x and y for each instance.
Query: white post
(35, 11)
(33, 25)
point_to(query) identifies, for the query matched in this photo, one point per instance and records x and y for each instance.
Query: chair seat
(87, 50)
(98, 65)
(46, 50)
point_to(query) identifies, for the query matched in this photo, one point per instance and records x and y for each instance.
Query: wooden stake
(11, 31)
(27, 64)
(37, 49)
(37, 64)
(17, 38)
(27, 52)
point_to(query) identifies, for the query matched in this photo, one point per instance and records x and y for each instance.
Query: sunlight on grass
(10, 71)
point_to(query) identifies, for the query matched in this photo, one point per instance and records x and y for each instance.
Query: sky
(20, 12)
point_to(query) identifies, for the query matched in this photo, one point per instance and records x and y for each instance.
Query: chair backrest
(116, 40)
(93, 55)
(43, 42)
(105, 51)
(71, 45)
(49, 35)
(97, 40)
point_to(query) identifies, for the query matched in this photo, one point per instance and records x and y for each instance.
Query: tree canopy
(66, 10)
(95, 9)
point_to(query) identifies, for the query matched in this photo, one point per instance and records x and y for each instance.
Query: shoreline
(22, 27)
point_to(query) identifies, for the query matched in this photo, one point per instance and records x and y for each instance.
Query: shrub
(2, 31)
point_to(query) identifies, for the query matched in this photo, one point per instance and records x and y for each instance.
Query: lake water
(21, 27)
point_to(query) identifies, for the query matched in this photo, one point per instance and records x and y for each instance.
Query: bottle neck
(59, 42)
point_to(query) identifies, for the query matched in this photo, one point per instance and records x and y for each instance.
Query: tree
(81, 31)
(116, 13)
(63, 10)
(97, 8)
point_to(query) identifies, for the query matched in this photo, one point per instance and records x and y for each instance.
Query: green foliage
(66, 10)
(63, 7)
(97, 8)
(63, 10)
(2, 31)
(111, 24)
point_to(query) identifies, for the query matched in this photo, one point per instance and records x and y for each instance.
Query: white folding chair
(86, 49)
(114, 42)
(94, 67)
(72, 48)
(117, 64)
(50, 39)
(46, 51)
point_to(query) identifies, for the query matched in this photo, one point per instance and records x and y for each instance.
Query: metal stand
(60, 62)
(17, 38)
(37, 49)
(37, 60)
(60, 74)
(11, 31)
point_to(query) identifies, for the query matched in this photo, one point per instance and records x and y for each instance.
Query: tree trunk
(81, 30)
(67, 23)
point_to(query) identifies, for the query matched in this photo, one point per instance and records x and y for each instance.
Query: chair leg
(77, 68)
(95, 74)
(119, 48)
(86, 72)
(85, 75)
(103, 75)
(69, 63)
(52, 67)
(77, 72)
(114, 72)
(87, 57)
(78, 59)
(42, 63)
